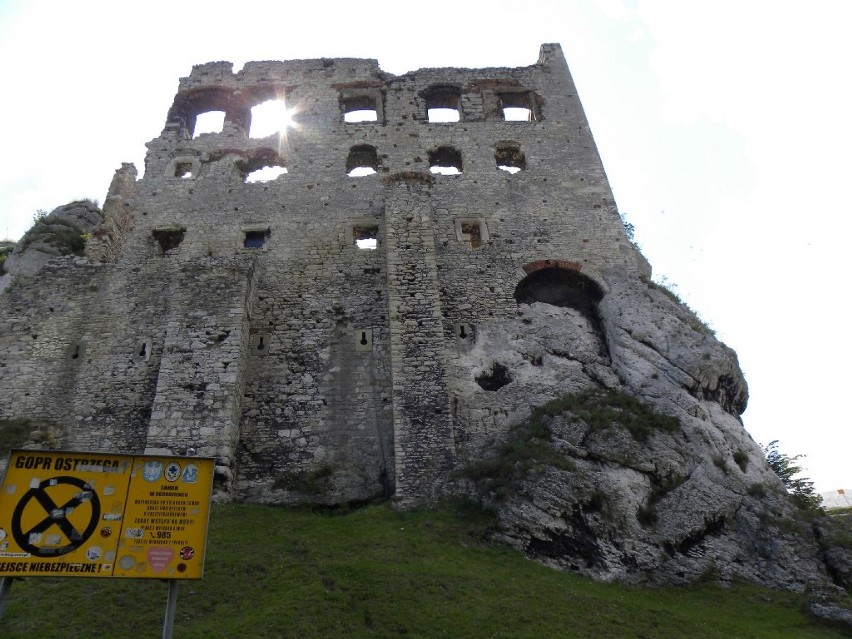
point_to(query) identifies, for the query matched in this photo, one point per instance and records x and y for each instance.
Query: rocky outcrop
(61, 232)
(642, 472)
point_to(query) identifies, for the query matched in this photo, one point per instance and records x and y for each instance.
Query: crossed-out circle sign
(56, 517)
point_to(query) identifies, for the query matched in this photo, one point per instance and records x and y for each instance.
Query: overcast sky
(724, 127)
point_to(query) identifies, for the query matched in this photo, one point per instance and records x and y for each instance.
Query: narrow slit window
(366, 237)
(362, 160)
(208, 122)
(445, 161)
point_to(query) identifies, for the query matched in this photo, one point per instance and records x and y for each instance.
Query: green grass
(376, 572)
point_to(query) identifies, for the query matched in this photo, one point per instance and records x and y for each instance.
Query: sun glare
(270, 117)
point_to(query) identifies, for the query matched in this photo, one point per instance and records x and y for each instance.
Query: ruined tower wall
(241, 319)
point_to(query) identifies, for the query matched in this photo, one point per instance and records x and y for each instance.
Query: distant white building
(839, 498)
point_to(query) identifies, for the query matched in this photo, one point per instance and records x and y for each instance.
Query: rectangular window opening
(254, 239)
(517, 107)
(361, 115)
(183, 170)
(209, 122)
(443, 114)
(366, 237)
(471, 234)
(362, 107)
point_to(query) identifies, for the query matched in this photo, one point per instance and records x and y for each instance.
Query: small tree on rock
(801, 489)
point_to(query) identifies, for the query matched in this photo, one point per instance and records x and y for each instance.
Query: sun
(271, 117)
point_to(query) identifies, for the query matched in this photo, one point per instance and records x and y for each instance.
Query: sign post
(75, 514)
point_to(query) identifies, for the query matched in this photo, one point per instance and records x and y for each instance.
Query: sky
(724, 128)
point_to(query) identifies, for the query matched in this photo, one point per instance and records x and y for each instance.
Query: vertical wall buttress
(423, 438)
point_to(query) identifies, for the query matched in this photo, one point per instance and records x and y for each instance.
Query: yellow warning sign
(102, 515)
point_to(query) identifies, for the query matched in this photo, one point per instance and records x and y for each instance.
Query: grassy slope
(375, 572)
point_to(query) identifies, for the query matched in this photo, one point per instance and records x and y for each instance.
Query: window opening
(443, 115)
(366, 237)
(254, 239)
(183, 170)
(209, 122)
(471, 234)
(359, 108)
(517, 107)
(362, 160)
(445, 161)
(270, 118)
(169, 238)
(265, 174)
(510, 158)
(442, 105)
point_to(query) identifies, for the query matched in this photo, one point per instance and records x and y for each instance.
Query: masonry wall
(241, 319)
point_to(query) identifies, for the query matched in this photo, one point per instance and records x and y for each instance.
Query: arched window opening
(510, 158)
(445, 160)
(443, 104)
(208, 122)
(362, 160)
(562, 287)
(269, 118)
(518, 107)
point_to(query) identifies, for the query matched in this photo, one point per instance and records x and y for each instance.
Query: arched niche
(560, 286)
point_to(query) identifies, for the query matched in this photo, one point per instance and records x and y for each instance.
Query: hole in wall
(169, 237)
(517, 107)
(495, 378)
(359, 108)
(362, 160)
(208, 122)
(510, 158)
(445, 160)
(254, 239)
(183, 170)
(265, 174)
(366, 237)
(443, 104)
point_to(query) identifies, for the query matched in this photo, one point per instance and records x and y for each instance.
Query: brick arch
(561, 283)
(531, 267)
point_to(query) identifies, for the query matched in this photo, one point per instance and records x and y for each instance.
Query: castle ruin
(362, 302)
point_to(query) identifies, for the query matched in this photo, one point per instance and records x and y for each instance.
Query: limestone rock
(663, 505)
(62, 232)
